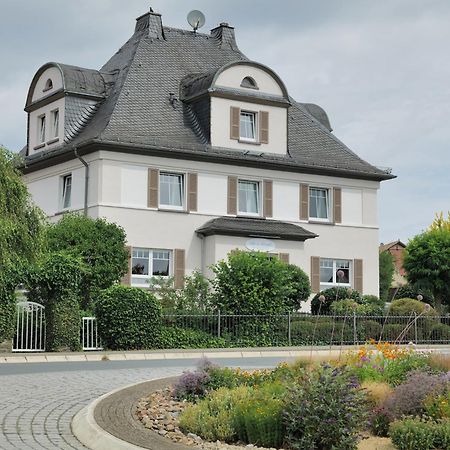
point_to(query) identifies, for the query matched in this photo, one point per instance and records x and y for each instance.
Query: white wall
(55, 75)
(220, 126)
(286, 200)
(212, 193)
(133, 186)
(352, 211)
(233, 76)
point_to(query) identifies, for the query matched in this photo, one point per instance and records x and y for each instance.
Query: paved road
(38, 401)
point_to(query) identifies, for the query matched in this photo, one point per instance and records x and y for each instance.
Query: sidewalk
(277, 352)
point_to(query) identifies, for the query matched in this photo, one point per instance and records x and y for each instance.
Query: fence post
(355, 340)
(415, 327)
(218, 324)
(289, 329)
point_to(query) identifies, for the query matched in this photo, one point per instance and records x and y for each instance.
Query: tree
(427, 262)
(386, 272)
(21, 226)
(100, 245)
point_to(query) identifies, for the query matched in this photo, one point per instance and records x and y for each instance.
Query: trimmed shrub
(331, 295)
(62, 317)
(408, 306)
(416, 434)
(349, 307)
(251, 283)
(304, 332)
(128, 318)
(394, 332)
(407, 398)
(372, 300)
(300, 288)
(176, 337)
(439, 332)
(7, 313)
(331, 400)
(369, 329)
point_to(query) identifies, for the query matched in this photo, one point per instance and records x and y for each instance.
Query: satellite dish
(196, 19)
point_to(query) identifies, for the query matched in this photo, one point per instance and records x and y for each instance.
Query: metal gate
(89, 335)
(30, 328)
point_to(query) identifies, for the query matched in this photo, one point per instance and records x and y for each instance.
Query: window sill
(320, 222)
(52, 141)
(245, 141)
(39, 146)
(173, 210)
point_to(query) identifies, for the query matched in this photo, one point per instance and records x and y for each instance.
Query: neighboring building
(196, 150)
(396, 249)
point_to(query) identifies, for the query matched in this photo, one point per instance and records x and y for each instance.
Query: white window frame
(183, 193)
(64, 179)
(54, 131)
(146, 278)
(336, 282)
(41, 129)
(258, 198)
(328, 200)
(255, 125)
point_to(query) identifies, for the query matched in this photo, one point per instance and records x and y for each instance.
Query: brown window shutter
(358, 275)
(268, 198)
(232, 196)
(178, 268)
(126, 279)
(235, 118)
(153, 182)
(284, 257)
(304, 202)
(263, 127)
(315, 274)
(337, 205)
(192, 191)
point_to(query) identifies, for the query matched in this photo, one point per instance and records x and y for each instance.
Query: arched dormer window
(48, 85)
(249, 82)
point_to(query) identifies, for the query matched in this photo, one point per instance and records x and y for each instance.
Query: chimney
(151, 22)
(225, 35)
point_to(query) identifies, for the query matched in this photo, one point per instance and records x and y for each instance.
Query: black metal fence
(298, 329)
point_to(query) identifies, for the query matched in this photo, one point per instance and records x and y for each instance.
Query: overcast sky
(381, 70)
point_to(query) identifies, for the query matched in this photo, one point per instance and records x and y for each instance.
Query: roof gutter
(86, 180)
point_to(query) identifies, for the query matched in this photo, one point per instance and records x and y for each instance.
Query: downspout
(202, 253)
(86, 180)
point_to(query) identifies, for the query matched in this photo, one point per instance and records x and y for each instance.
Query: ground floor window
(147, 263)
(335, 272)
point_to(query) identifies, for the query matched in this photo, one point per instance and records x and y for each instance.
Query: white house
(196, 150)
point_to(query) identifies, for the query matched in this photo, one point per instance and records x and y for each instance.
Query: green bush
(411, 291)
(128, 318)
(300, 288)
(394, 332)
(329, 400)
(408, 306)
(437, 407)
(62, 316)
(349, 307)
(7, 313)
(372, 300)
(439, 332)
(369, 329)
(331, 295)
(386, 273)
(416, 434)
(252, 283)
(176, 337)
(321, 331)
(379, 422)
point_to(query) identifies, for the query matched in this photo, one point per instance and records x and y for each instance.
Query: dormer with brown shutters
(242, 106)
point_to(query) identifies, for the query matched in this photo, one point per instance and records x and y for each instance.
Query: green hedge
(7, 313)
(128, 318)
(62, 317)
(175, 337)
(331, 295)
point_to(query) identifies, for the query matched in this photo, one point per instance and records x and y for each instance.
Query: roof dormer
(59, 103)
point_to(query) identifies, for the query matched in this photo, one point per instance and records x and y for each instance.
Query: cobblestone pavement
(36, 409)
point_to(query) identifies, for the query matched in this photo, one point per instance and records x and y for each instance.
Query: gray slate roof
(137, 116)
(250, 227)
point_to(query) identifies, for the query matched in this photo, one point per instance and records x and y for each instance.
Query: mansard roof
(140, 107)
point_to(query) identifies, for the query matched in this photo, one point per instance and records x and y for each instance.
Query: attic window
(48, 85)
(249, 82)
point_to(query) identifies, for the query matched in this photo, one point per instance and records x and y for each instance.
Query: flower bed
(307, 405)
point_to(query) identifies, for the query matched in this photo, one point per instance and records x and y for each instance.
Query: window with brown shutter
(192, 191)
(337, 205)
(126, 279)
(315, 274)
(179, 265)
(358, 275)
(153, 181)
(232, 196)
(284, 257)
(235, 117)
(268, 198)
(304, 202)
(263, 127)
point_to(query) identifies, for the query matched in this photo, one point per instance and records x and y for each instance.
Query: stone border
(108, 423)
